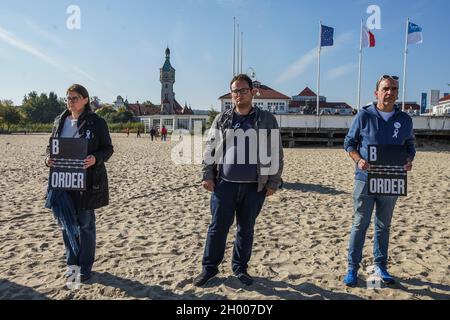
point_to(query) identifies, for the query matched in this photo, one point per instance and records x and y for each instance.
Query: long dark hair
(78, 88)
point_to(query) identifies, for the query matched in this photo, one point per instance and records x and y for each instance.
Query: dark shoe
(245, 278)
(85, 277)
(204, 278)
(351, 278)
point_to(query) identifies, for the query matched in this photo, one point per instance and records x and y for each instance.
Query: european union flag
(326, 38)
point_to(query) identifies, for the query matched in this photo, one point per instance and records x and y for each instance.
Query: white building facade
(174, 122)
(443, 108)
(266, 98)
(272, 105)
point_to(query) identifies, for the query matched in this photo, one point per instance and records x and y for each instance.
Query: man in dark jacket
(152, 133)
(239, 188)
(382, 123)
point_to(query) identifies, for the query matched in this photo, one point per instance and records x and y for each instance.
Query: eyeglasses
(241, 91)
(73, 99)
(386, 76)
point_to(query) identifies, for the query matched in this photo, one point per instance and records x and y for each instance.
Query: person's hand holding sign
(363, 165)
(89, 161)
(408, 166)
(49, 162)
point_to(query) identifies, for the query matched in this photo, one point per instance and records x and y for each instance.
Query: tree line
(41, 110)
(38, 111)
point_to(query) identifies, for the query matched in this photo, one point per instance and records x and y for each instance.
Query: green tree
(211, 116)
(9, 114)
(106, 112)
(122, 116)
(42, 108)
(2, 115)
(103, 111)
(148, 103)
(6, 103)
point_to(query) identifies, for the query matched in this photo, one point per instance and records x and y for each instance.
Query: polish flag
(367, 38)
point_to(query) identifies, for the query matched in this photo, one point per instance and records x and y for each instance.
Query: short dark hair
(242, 77)
(78, 88)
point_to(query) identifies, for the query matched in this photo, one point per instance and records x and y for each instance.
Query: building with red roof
(445, 99)
(266, 98)
(443, 108)
(272, 100)
(306, 103)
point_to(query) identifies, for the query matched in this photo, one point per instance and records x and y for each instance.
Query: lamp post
(252, 74)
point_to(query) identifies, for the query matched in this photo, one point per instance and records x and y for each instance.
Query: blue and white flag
(326, 36)
(414, 34)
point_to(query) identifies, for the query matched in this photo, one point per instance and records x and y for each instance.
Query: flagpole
(242, 49)
(238, 50)
(234, 46)
(405, 65)
(358, 106)
(318, 70)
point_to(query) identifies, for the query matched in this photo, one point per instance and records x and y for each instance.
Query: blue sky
(120, 47)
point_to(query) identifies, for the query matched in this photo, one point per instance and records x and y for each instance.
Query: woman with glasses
(78, 121)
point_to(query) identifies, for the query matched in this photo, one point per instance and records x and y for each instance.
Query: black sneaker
(85, 277)
(204, 277)
(245, 278)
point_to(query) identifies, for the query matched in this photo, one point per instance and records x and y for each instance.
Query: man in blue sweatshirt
(377, 124)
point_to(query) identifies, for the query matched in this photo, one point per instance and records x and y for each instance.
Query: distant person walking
(128, 132)
(163, 133)
(152, 133)
(138, 133)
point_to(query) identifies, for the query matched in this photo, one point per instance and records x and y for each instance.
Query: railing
(344, 122)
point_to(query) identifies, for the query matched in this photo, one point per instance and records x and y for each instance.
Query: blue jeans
(86, 241)
(363, 205)
(230, 199)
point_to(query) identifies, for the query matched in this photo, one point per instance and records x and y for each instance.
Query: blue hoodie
(369, 128)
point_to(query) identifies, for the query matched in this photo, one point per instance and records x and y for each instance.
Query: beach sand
(150, 238)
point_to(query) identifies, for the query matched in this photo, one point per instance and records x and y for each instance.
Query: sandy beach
(150, 238)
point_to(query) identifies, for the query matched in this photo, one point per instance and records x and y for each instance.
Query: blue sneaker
(351, 279)
(384, 275)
